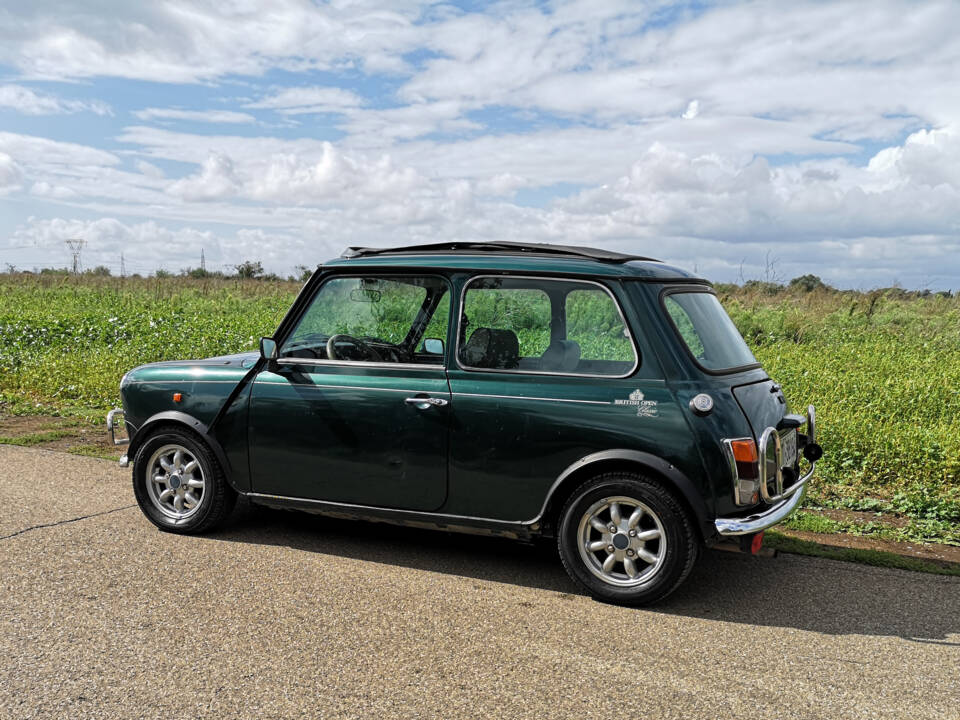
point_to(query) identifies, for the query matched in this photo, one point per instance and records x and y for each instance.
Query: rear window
(707, 331)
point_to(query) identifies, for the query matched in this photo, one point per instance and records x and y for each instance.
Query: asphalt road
(286, 615)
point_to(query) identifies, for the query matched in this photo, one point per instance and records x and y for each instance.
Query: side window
(707, 331)
(685, 327)
(370, 319)
(436, 328)
(543, 325)
(594, 323)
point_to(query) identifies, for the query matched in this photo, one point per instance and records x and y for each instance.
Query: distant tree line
(812, 283)
(247, 270)
(253, 270)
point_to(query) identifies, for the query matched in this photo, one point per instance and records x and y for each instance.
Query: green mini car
(601, 400)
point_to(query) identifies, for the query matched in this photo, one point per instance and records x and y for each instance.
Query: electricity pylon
(76, 246)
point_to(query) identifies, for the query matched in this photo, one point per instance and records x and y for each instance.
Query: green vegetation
(883, 368)
(87, 450)
(917, 529)
(65, 342)
(877, 558)
(38, 438)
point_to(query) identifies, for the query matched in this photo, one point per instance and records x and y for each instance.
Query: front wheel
(178, 483)
(626, 539)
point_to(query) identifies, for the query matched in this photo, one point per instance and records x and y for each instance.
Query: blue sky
(748, 140)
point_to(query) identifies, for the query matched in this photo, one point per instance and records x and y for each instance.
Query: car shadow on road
(804, 593)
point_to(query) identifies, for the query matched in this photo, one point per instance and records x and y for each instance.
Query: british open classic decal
(645, 408)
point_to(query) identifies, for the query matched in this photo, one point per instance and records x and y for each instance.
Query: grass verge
(876, 558)
(35, 438)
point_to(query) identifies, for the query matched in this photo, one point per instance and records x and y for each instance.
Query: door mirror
(433, 346)
(268, 348)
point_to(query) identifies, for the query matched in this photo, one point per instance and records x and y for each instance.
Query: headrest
(492, 348)
(561, 356)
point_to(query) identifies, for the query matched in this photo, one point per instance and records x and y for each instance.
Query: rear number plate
(788, 448)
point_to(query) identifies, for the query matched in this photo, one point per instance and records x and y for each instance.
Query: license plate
(788, 448)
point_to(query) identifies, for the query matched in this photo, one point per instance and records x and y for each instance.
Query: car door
(355, 409)
(546, 373)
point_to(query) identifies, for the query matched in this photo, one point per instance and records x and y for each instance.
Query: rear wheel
(179, 484)
(626, 539)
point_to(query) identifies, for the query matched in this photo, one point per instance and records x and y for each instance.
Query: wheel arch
(624, 460)
(174, 418)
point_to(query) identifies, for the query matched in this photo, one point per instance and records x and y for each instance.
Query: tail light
(743, 458)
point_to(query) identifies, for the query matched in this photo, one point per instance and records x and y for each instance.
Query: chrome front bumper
(112, 424)
(786, 501)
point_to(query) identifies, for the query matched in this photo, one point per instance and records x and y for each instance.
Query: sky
(742, 140)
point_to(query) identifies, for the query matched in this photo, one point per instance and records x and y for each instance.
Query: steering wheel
(371, 354)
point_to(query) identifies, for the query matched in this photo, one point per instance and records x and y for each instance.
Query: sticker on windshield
(645, 408)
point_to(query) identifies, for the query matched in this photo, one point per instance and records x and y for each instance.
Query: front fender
(175, 417)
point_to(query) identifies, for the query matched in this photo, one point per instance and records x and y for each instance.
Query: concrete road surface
(285, 615)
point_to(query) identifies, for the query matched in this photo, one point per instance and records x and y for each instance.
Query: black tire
(654, 580)
(216, 499)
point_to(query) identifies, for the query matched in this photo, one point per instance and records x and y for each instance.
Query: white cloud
(304, 100)
(216, 180)
(706, 133)
(716, 197)
(183, 41)
(29, 102)
(58, 192)
(149, 169)
(10, 174)
(290, 179)
(928, 157)
(205, 116)
(381, 127)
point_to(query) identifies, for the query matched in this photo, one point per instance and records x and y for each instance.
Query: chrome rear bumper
(768, 518)
(786, 500)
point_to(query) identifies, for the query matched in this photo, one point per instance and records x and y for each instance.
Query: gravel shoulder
(287, 615)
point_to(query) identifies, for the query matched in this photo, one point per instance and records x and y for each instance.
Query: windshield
(708, 332)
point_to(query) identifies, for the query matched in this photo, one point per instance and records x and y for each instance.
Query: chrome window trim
(358, 363)
(338, 274)
(526, 397)
(705, 290)
(517, 371)
(353, 387)
(183, 381)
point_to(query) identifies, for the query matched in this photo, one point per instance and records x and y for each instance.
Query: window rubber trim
(338, 274)
(703, 290)
(548, 278)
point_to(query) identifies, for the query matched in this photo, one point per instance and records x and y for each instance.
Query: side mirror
(434, 346)
(268, 348)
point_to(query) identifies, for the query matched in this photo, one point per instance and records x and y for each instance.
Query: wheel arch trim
(175, 417)
(676, 479)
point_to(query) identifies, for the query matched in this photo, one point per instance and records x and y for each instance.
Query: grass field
(882, 368)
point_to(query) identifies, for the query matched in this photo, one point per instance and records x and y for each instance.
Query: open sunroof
(502, 247)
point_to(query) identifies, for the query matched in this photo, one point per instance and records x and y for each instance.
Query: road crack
(64, 522)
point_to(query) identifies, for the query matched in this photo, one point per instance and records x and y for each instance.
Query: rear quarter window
(707, 331)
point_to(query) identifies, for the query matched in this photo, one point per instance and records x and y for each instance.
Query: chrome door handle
(422, 403)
